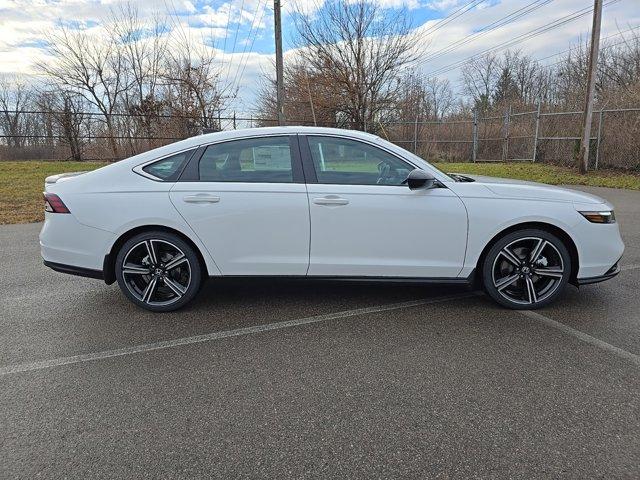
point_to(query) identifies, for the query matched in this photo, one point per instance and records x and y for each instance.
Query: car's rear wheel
(158, 271)
(526, 269)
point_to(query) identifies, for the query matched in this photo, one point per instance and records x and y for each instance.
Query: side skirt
(469, 281)
(99, 274)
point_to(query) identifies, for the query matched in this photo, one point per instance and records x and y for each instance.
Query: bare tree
(359, 50)
(144, 46)
(511, 78)
(528, 78)
(307, 99)
(619, 70)
(422, 99)
(479, 77)
(93, 69)
(64, 114)
(191, 79)
(15, 95)
(439, 97)
(570, 77)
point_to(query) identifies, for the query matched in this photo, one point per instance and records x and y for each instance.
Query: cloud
(442, 5)
(189, 7)
(24, 23)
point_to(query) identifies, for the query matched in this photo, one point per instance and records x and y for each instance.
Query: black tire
(175, 271)
(533, 284)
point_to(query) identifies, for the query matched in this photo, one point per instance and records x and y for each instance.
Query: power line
(573, 48)
(253, 41)
(235, 41)
(226, 29)
(520, 38)
(245, 54)
(606, 47)
(550, 65)
(513, 16)
(453, 15)
(242, 68)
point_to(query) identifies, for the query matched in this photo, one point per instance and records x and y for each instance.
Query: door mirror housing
(419, 179)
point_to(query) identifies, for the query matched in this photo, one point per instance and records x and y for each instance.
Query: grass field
(21, 186)
(21, 183)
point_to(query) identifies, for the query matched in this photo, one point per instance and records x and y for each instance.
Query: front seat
(231, 166)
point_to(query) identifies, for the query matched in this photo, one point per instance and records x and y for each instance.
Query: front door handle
(331, 200)
(202, 198)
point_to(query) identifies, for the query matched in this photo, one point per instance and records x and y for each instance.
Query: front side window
(349, 162)
(168, 168)
(265, 160)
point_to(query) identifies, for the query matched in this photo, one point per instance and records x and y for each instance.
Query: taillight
(53, 204)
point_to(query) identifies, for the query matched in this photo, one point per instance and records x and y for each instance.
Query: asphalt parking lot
(314, 380)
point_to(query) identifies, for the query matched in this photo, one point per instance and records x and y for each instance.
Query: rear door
(247, 202)
(365, 222)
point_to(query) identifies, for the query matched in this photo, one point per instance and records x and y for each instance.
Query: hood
(510, 188)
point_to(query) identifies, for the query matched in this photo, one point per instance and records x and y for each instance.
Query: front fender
(488, 218)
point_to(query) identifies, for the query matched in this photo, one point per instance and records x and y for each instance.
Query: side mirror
(419, 179)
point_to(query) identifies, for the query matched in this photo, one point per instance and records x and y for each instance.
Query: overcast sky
(230, 27)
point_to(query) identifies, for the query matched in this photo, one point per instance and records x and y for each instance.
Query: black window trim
(140, 169)
(310, 169)
(191, 172)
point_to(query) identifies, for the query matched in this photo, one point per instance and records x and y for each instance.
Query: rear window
(169, 167)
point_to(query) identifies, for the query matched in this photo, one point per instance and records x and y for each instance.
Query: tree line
(347, 72)
(134, 80)
(143, 83)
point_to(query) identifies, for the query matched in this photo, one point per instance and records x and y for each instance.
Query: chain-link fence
(531, 136)
(534, 135)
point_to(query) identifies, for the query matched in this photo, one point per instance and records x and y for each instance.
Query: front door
(248, 205)
(364, 222)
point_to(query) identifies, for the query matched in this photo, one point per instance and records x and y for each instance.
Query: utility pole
(279, 62)
(583, 154)
(313, 110)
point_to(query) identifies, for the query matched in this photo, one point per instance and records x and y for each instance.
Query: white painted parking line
(148, 347)
(585, 337)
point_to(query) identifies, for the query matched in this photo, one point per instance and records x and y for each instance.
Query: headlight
(600, 217)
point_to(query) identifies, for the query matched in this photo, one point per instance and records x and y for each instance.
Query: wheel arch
(548, 227)
(108, 267)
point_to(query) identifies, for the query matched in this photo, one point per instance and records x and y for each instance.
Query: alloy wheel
(528, 270)
(156, 272)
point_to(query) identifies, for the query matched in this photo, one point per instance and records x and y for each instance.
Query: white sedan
(319, 203)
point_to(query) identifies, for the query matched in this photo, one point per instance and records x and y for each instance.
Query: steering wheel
(385, 173)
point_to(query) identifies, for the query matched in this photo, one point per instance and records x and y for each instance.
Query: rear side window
(266, 160)
(168, 168)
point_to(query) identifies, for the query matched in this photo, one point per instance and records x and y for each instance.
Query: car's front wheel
(158, 271)
(526, 269)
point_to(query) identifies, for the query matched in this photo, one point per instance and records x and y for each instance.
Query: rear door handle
(331, 200)
(202, 198)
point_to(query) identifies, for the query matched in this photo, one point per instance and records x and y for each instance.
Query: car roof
(288, 130)
(207, 138)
